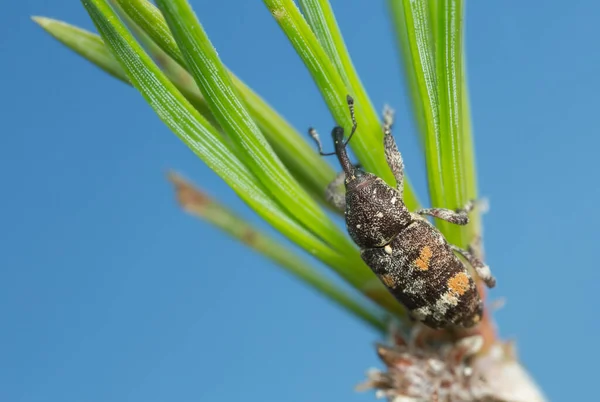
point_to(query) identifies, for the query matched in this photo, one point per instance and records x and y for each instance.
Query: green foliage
(204, 207)
(430, 34)
(84, 43)
(289, 145)
(269, 164)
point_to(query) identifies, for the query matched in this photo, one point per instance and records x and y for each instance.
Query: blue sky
(108, 292)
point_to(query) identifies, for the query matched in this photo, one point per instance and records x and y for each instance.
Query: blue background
(108, 292)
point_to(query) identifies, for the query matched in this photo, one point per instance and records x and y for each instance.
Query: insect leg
(482, 270)
(458, 217)
(335, 195)
(392, 155)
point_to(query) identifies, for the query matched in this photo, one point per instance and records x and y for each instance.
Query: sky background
(108, 292)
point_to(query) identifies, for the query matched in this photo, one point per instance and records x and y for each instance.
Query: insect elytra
(410, 256)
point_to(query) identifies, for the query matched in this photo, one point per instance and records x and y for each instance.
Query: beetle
(410, 256)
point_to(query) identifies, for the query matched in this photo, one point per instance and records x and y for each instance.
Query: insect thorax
(375, 212)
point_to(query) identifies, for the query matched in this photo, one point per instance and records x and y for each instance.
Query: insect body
(408, 254)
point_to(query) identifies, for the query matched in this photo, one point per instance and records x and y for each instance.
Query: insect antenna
(315, 136)
(354, 124)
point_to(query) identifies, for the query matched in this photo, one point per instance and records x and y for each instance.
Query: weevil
(410, 256)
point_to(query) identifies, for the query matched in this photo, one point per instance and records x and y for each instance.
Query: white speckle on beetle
(441, 239)
(416, 287)
(358, 226)
(388, 249)
(484, 272)
(448, 298)
(421, 313)
(393, 200)
(379, 214)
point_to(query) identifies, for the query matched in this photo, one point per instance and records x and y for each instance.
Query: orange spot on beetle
(423, 261)
(388, 280)
(459, 283)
